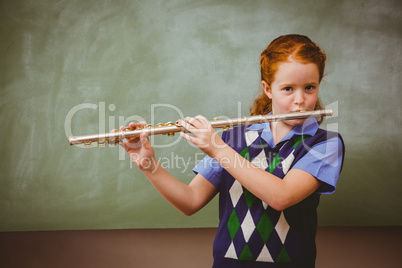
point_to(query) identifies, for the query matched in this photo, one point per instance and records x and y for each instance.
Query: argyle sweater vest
(251, 233)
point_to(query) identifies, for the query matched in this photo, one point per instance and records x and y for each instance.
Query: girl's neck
(279, 130)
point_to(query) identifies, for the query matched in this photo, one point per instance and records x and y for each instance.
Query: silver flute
(171, 128)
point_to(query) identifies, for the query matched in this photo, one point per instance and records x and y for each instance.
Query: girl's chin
(295, 122)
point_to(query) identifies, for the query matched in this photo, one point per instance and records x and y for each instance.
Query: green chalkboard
(83, 67)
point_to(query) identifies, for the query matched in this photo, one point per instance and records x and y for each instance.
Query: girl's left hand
(205, 136)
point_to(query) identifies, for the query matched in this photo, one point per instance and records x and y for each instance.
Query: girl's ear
(267, 89)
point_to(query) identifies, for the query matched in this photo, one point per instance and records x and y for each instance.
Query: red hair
(294, 46)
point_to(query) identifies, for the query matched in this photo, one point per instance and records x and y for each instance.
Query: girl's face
(295, 88)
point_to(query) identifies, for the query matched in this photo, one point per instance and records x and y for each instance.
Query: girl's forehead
(296, 62)
(297, 65)
(297, 70)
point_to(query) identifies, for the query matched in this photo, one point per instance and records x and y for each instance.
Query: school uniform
(251, 233)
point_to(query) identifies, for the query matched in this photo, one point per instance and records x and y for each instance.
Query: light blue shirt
(323, 161)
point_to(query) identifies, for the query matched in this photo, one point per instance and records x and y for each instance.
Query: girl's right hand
(140, 149)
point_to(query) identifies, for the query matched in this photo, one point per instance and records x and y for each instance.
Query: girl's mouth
(302, 110)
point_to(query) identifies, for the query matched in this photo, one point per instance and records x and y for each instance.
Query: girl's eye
(309, 87)
(287, 89)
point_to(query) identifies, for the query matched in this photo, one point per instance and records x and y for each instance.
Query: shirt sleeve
(210, 169)
(324, 162)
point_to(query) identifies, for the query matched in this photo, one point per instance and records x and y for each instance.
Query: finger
(133, 140)
(124, 145)
(199, 122)
(123, 128)
(204, 123)
(133, 125)
(186, 123)
(188, 137)
(144, 140)
(132, 143)
(189, 120)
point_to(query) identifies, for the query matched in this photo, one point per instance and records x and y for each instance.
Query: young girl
(269, 175)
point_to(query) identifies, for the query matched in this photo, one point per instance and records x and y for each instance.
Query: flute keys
(112, 142)
(88, 144)
(227, 127)
(170, 124)
(102, 142)
(163, 125)
(224, 128)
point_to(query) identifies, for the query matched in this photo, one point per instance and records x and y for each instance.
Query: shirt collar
(309, 127)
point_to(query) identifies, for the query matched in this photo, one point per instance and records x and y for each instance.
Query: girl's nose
(298, 97)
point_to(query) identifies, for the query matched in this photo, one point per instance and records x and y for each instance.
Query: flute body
(171, 128)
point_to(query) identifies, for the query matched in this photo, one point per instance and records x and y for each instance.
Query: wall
(83, 67)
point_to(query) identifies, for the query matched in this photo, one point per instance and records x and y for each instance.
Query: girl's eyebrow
(287, 85)
(293, 84)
